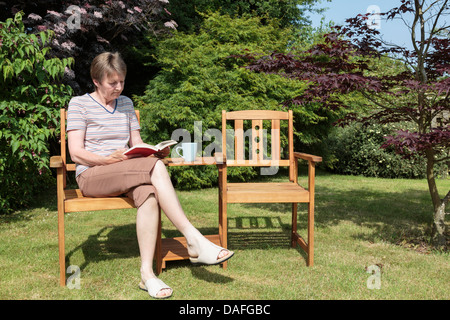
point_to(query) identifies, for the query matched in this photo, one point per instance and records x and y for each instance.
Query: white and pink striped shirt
(105, 131)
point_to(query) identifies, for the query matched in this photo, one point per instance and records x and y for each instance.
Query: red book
(145, 150)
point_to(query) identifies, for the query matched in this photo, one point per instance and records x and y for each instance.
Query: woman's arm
(135, 138)
(81, 156)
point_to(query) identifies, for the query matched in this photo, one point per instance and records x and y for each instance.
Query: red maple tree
(418, 94)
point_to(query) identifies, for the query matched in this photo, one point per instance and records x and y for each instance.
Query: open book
(145, 150)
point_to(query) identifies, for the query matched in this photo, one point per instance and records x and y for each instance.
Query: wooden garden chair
(270, 192)
(72, 200)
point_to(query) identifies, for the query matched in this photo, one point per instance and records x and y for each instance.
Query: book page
(165, 144)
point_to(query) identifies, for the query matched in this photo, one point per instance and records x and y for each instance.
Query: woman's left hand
(163, 153)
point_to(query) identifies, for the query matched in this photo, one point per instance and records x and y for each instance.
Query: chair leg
(310, 261)
(223, 228)
(294, 225)
(61, 246)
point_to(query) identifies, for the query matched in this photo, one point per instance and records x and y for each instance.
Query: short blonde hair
(107, 63)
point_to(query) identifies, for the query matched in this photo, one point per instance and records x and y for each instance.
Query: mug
(189, 151)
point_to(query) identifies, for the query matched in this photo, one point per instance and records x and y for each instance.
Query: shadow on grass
(111, 242)
(120, 242)
(390, 216)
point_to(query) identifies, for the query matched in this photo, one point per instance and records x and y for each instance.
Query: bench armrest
(308, 157)
(56, 162)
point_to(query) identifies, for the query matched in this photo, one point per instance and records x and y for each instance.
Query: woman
(101, 126)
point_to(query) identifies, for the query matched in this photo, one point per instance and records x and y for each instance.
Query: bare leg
(171, 206)
(147, 231)
(147, 224)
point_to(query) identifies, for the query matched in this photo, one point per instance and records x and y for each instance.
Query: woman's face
(111, 86)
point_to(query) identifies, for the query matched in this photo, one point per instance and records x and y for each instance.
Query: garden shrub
(30, 97)
(202, 74)
(356, 150)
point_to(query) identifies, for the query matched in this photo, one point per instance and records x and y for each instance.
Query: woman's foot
(155, 287)
(204, 251)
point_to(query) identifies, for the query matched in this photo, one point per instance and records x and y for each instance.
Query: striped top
(105, 131)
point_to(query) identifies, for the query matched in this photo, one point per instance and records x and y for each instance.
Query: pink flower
(34, 17)
(138, 9)
(68, 45)
(171, 24)
(69, 73)
(54, 13)
(98, 14)
(59, 28)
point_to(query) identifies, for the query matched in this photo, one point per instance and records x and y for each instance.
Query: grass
(359, 222)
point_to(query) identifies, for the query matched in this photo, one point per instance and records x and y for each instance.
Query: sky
(339, 10)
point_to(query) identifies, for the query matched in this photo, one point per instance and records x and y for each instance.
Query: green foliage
(188, 14)
(201, 76)
(30, 97)
(356, 150)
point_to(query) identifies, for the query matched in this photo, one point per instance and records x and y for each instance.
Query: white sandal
(153, 286)
(208, 255)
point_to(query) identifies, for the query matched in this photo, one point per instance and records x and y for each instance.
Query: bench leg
(158, 251)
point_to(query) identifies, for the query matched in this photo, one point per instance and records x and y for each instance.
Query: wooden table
(173, 249)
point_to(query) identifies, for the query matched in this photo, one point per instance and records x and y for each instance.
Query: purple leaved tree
(417, 95)
(85, 28)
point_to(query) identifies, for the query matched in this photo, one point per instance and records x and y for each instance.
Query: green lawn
(360, 222)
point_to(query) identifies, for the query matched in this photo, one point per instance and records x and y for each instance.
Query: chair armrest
(220, 158)
(56, 162)
(308, 157)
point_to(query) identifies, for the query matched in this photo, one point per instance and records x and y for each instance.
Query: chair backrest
(64, 150)
(250, 136)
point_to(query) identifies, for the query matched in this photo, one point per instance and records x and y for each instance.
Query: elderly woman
(101, 126)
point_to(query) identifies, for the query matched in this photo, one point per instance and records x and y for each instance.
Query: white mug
(189, 151)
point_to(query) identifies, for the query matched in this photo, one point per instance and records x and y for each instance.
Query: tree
(202, 75)
(31, 93)
(418, 95)
(188, 14)
(85, 28)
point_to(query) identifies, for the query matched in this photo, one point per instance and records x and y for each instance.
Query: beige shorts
(130, 177)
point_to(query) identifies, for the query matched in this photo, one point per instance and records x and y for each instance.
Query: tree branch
(433, 31)
(442, 159)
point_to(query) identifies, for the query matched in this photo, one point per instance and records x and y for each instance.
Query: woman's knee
(150, 202)
(159, 170)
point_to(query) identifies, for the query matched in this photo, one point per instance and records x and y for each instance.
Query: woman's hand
(117, 156)
(162, 153)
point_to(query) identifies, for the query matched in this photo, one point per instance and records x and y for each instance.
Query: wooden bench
(72, 200)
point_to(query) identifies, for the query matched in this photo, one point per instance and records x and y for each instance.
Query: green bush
(202, 74)
(356, 150)
(30, 97)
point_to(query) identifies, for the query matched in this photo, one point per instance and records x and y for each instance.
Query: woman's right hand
(117, 156)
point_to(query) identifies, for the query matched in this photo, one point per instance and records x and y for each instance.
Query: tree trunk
(438, 238)
(438, 234)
